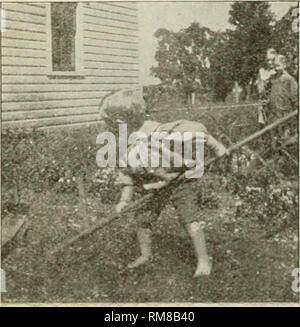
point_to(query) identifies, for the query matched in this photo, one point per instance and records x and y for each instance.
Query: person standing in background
(283, 97)
(284, 90)
(263, 83)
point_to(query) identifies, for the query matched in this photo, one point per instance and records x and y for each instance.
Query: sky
(177, 15)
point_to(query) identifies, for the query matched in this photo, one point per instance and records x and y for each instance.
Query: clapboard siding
(111, 65)
(13, 52)
(13, 14)
(56, 88)
(44, 113)
(40, 105)
(21, 69)
(25, 35)
(14, 61)
(52, 121)
(108, 43)
(127, 6)
(95, 19)
(51, 96)
(89, 43)
(110, 51)
(34, 4)
(25, 26)
(100, 9)
(32, 97)
(107, 27)
(25, 8)
(43, 79)
(16, 43)
(104, 32)
(111, 73)
(91, 56)
(91, 62)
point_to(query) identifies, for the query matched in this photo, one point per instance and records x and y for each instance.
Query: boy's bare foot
(203, 268)
(138, 262)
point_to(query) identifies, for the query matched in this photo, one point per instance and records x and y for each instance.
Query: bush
(33, 159)
(41, 161)
(103, 185)
(266, 197)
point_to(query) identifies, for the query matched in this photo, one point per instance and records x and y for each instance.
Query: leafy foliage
(221, 74)
(197, 59)
(183, 58)
(246, 261)
(285, 41)
(242, 173)
(43, 162)
(53, 161)
(103, 184)
(267, 199)
(250, 38)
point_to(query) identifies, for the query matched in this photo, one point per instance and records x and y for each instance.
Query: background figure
(264, 85)
(283, 95)
(284, 90)
(266, 72)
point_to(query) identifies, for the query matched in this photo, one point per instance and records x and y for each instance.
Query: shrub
(266, 197)
(41, 161)
(37, 160)
(103, 184)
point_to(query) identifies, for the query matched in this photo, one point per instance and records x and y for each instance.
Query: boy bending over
(164, 187)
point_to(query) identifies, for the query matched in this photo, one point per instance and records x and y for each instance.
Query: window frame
(79, 68)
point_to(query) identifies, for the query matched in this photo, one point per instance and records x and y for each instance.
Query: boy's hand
(120, 206)
(223, 152)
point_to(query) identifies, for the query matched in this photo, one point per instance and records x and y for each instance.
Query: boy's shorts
(184, 198)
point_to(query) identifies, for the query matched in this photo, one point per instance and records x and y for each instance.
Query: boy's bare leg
(203, 261)
(144, 239)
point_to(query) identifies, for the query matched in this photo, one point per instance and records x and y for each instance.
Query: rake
(179, 179)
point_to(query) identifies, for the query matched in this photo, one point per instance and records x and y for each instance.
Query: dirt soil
(246, 266)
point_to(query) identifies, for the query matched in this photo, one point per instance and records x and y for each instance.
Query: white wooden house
(59, 60)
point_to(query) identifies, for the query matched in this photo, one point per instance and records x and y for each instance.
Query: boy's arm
(126, 193)
(164, 175)
(218, 147)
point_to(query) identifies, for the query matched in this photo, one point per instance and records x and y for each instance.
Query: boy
(161, 182)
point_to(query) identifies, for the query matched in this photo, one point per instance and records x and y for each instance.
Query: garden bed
(251, 232)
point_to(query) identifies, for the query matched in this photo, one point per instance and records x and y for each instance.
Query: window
(65, 40)
(63, 32)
